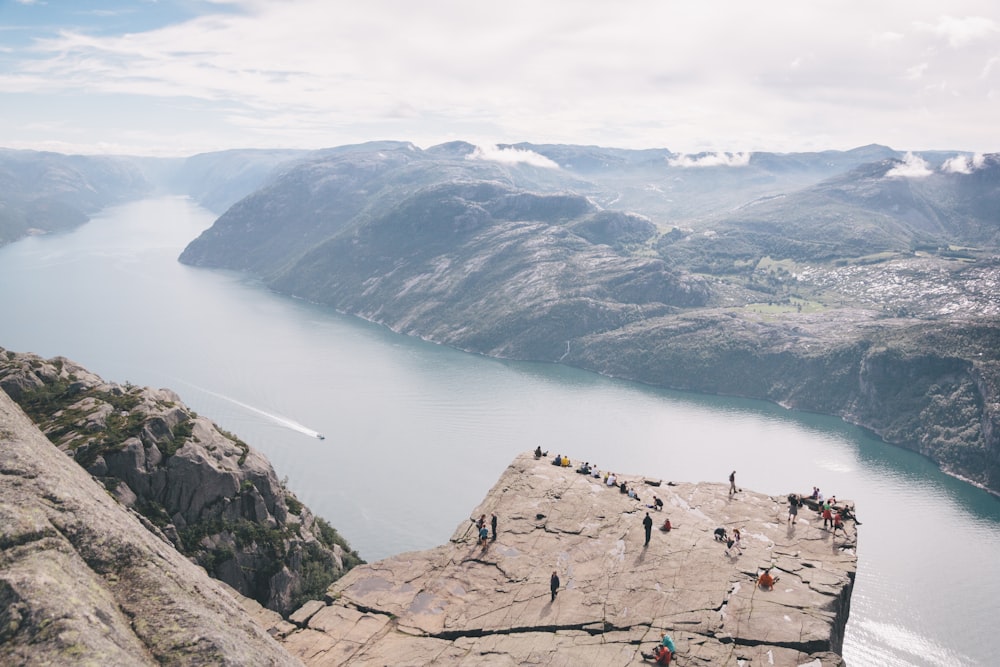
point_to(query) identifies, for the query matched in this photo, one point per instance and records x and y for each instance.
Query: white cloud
(312, 73)
(957, 165)
(962, 31)
(511, 155)
(711, 160)
(912, 166)
(917, 71)
(964, 164)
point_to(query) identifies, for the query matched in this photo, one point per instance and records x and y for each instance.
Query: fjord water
(416, 433)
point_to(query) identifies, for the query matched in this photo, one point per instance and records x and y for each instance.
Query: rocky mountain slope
(82, 582)
(208, 493)
(860, 284)
(44, 192)
(48, 192)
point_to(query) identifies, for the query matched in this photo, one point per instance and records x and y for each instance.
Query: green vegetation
(293, 504)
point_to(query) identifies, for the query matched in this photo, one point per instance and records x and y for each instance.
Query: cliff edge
(466, 603)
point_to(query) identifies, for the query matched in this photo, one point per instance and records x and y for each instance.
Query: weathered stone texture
(465, 604)
(83, 582)
(212, 496)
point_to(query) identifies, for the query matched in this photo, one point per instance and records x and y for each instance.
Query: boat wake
(277, 419)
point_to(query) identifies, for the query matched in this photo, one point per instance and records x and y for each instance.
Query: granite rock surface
(466, 603)
(84, 582)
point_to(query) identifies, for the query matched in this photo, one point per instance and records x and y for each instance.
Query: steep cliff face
(82, 582)
(213, 497)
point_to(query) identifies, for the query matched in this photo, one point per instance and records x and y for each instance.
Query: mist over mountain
(47, 192)
(42, 192)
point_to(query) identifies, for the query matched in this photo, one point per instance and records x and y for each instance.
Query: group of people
(734, 541)
(483, 532)
(833, 516)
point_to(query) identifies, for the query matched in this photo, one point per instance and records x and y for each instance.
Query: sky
(180, 77)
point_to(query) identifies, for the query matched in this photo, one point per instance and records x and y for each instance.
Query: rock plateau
(467, 604)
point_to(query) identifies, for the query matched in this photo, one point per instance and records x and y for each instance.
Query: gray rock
(466, 604)
(83, 582)
(189, 479)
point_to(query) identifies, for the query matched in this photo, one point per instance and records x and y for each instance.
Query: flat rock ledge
(466, 604)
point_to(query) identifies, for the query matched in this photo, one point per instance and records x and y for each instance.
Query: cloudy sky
(176, 77)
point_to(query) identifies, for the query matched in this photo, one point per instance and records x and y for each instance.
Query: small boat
(321, 436)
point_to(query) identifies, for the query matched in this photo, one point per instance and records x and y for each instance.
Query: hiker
(647, 523)
(827, 514)
(657, 502)
(793, 508)
(484, 535)
(838, 523)
(735, 542)
(732, 482)
(554, 585)
(493, 525)
(765, 580)
(720, 535)
(666, 526)
(848, 513)
(557, 461)
(538, 452)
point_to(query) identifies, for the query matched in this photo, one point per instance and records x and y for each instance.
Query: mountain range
(857, 283)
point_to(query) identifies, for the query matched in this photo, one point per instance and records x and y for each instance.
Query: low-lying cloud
(511, 155)
(913, 166)
(711, 160)
(963, 164)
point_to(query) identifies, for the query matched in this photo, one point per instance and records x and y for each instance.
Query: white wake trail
(277, 419)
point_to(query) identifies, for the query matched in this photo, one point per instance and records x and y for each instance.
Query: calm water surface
(416, 433)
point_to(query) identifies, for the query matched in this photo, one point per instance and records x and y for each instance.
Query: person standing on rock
(732, 482)
(493, 525)
(647, 523)
(554, 585)
(793, 508)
